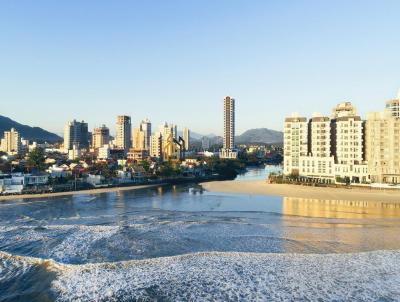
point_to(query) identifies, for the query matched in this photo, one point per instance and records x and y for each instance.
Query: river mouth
(122, 233)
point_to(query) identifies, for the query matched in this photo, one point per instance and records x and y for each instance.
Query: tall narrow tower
(124, 132)
(228, 150)
(229, 122)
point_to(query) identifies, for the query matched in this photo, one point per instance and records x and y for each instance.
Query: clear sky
(176, 60)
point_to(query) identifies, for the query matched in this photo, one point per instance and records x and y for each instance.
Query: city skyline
(177, 63)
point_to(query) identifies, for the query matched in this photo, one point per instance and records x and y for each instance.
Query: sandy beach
(262, 188)
(83, 192)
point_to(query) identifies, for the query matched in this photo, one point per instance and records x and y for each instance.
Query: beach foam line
(371, 276)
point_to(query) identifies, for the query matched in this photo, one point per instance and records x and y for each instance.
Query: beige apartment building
(124, 131)
(383, 144)
(11, 143)
(100, 137)
(156, 145)
(139, 139)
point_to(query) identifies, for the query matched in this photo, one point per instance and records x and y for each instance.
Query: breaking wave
(371, 276)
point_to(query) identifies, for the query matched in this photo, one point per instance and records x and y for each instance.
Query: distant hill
(27, 132)
(260, 135)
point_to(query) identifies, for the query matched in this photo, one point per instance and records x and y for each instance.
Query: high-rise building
(145, 126)
(124, 130)
(383, 145)
(100, 137)
(228, 150)
(229, 123)
(326, 149)
(76, 134)
(11, 143)
(348, 143)
(295, 143)
(156, 145)
(186, 138)
(139, 139)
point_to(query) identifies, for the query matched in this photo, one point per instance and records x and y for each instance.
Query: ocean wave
(371, 276)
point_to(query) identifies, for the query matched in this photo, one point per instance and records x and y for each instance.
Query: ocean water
(181, 243)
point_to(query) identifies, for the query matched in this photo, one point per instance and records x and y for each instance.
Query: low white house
(17, 182)
(95, 180)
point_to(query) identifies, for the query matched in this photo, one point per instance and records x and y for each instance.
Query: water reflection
(339, 208)
(340, 226)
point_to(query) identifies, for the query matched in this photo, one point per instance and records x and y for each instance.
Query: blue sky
(176, 60)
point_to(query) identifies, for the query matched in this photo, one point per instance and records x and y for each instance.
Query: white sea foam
(373, 276)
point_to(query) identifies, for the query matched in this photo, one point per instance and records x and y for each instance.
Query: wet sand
(261, 187)
(82, 192)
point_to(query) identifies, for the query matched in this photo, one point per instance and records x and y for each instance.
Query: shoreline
(81, 192)
(261, 187)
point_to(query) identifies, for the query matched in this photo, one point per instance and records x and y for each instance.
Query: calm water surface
(173, 221)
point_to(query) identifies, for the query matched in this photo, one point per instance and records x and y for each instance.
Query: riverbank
(261, 187)
(81, 192)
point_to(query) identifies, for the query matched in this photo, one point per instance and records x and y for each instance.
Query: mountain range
(27, 132)
(258, 135)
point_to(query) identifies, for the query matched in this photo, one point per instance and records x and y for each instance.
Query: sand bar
(263, 188)
(82, 192)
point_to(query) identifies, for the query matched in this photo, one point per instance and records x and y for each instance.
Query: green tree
(36, 160)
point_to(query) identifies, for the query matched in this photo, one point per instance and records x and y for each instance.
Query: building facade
(327, 149)
(295, 141)
(383, 146)
(76, 134)
(124, 133)
(228, 151)
(11, 143)
(156, 145)
(145, 126)
(100, 137)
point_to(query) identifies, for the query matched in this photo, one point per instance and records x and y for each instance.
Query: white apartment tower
(348, 143)
(124, 133)
(327, 149)
(295, 143)
(228, 150)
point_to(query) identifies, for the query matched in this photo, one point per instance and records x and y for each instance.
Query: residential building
(138, 155)
(76, 134)
(228, 150)
(11, 143)
(156, 145)
(145, 126)
(104, 152)
(74, 153)
(124, 130)
(101, 137)
(139, 139)
(383, 145)
(295, 143)
(348, 143)
(327, 149)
